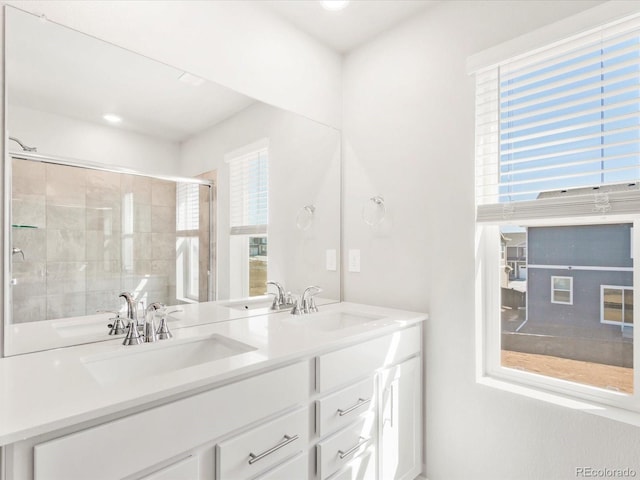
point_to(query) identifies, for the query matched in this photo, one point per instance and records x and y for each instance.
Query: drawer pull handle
(363, 441)
(358, 404)
(253, 458)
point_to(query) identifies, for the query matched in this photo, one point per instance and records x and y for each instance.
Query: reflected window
(248, 209)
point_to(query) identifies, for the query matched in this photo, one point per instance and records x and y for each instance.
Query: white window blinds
(558, 129)
(187, 206)
(249, 192)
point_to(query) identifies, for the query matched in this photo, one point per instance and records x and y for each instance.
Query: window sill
(594, 408)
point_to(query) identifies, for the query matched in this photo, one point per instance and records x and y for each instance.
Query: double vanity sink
(224, 399)
(142, 361)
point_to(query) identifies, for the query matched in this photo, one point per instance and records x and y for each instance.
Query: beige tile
(163, 246)
(32, 309)
(163, 193)
(105, 219)
(66, 185)
(165, 267)
(65, 217)
(28, 210)
(101, 246)
(32, 241)
(141, 218)
(104, 180)
(66, 277)
(66, 245)
(28, 178)
(163, 219)
(104, 276)
(142, 248)
(138, 186)
(65, 305)
(30, 278)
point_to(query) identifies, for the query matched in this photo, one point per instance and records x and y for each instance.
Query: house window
(249, 211)
(557, 183)
(616, 305)
(562, 290)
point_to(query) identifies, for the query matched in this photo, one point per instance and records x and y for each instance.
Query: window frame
(624, 209)
(615, 287)
(553, 289)
(489, 369)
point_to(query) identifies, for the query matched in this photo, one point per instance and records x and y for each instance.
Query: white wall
(304, 169)
(237, 44)
(85, 141)
(409, 136)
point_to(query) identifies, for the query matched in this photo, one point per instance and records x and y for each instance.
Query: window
(557, 171)
(562, 290)
(187, 242)
(249, 212)
(616, 305)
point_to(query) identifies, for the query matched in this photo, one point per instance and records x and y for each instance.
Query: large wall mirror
(126, 174)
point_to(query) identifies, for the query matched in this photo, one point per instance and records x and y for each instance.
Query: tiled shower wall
(88, 235)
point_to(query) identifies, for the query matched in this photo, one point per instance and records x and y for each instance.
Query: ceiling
(59, 74)
(346, 29)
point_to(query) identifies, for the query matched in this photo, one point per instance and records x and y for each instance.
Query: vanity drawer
(362, 467)
(341, 408)
(340, 449)
(343, 366)
(250, 453)
(150, 437)
(296, 468)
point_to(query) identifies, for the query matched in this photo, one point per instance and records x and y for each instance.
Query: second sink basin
(140, 361)
(331, 321)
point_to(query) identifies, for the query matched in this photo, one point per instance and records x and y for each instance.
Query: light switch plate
(331, 260)
(354, 260)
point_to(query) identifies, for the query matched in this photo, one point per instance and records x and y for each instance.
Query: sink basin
(140, 361)
(249, 303)
(330, 321)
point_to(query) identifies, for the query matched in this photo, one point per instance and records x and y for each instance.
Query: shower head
(23, 146)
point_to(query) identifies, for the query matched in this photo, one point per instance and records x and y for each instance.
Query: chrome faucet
(150, 326)
(281, 300)
(133, 334)
(306, 304)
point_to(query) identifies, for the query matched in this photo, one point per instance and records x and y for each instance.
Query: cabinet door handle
(253, 458)
(363, 441)
(358, 404)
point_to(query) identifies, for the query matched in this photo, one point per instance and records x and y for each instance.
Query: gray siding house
(580, 293)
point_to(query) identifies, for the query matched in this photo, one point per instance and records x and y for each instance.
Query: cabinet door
(401, 421)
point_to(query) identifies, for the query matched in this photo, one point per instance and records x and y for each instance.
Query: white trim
(613, 287)
(580, 267)
(546, 36)
(570, 290)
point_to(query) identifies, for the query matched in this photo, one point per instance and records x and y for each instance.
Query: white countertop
(45, 391)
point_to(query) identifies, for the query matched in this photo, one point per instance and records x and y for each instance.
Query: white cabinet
(353, 413)
(186, 469)
(401, 421)
(260, 448)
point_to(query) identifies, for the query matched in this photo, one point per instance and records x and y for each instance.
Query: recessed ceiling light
(334, 5)
(111, 118)
(192, 80)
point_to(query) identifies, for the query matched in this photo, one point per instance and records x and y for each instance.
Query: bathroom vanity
(330, 395)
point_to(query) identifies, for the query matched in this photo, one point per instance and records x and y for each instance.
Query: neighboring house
(580, 289)
(516, 255)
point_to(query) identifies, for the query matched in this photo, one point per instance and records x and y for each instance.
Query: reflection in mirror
(104, 229)
(86, 235)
